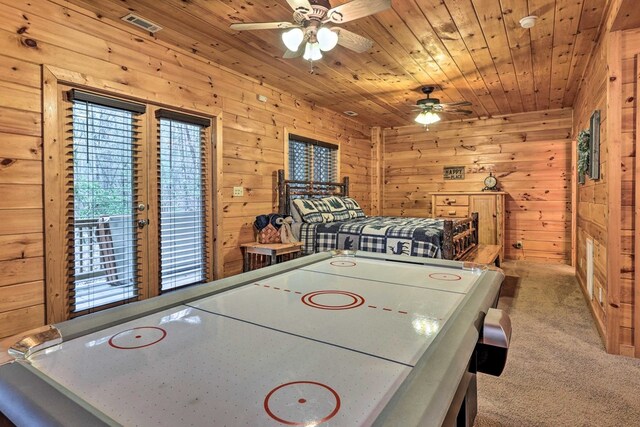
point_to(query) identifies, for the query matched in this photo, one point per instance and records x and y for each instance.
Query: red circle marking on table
(111, 343)
(307, 422)
(343, 263)
(446, 277)
(307, 299)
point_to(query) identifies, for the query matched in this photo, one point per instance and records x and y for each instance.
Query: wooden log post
(447, 240)
(474, 225)
(282, 199)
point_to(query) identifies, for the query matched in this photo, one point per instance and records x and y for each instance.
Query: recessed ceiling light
(351, 113)
(528, 21)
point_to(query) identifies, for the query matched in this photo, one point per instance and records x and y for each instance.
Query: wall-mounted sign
(453, 172)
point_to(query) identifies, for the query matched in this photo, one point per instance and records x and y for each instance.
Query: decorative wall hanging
(583, 154)
(453, 172)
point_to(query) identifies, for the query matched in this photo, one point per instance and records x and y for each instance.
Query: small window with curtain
(182, 163)
(312, 160)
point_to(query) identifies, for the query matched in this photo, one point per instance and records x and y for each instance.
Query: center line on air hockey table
(309, 299)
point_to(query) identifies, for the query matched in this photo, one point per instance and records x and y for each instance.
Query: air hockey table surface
(329, 339)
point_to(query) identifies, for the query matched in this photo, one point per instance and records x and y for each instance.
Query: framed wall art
(453, 172)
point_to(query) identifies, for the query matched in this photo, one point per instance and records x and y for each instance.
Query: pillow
(311, 210)
(337, 208)
(327, 209)
(294, 211)
(353, 208)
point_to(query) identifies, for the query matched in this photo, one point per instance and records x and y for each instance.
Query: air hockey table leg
(464, 406)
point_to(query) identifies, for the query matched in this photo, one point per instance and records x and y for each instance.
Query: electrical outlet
(238, 191)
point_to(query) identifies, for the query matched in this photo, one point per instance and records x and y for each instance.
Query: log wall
(60, 35)
(592, 196)
(629, 290)
(530, 154)
(607, 210)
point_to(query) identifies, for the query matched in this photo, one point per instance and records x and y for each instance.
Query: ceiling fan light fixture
(293, 38)
(427, 118)
(327, 39)
(312, 52)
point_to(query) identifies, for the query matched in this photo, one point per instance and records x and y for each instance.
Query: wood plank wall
(630, 41)
(530, 153)
(610, 85)
(44, 32)
(592, 196)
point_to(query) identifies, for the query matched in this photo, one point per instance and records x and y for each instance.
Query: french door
(138, 200)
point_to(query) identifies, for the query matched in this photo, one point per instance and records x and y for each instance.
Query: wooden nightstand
(257, 255)
(490, 206)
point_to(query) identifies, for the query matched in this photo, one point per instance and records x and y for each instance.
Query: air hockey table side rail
(423, 399)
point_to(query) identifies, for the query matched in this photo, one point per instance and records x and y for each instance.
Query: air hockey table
(332, 339)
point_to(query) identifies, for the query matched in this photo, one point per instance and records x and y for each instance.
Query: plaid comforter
(394, 235)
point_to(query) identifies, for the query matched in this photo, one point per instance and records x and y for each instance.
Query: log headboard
(291, 188)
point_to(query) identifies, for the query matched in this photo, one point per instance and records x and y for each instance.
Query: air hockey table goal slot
(493, 346)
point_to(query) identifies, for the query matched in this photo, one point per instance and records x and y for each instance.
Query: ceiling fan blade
(449, 110)
(456, 104)
(300, 6)
(353, 41)
(456, 112)
(262, 26)
(356, 9)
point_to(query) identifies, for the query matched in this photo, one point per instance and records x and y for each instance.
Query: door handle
(142, 223)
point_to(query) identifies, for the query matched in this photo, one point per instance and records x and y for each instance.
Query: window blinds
(311, 160)
(102, 152)
(182, 166)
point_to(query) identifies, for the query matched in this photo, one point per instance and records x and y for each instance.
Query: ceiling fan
(429, 107)
(312, 27)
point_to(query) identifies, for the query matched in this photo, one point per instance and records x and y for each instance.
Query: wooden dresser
(488, 204)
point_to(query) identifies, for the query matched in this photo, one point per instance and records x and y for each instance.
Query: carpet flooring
(557, 373)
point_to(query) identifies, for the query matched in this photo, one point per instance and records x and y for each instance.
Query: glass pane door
(182, 212)
(105, 237)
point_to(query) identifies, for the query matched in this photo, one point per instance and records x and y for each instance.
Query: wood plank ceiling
(474, 50)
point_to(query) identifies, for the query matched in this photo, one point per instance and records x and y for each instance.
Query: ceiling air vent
(351, 113)
(145, 24)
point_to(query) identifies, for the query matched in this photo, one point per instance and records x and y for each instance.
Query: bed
(322, 231)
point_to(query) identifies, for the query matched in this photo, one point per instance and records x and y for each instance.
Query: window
(133, 230)
(311, 160)
(181, 199)
(102, 231)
